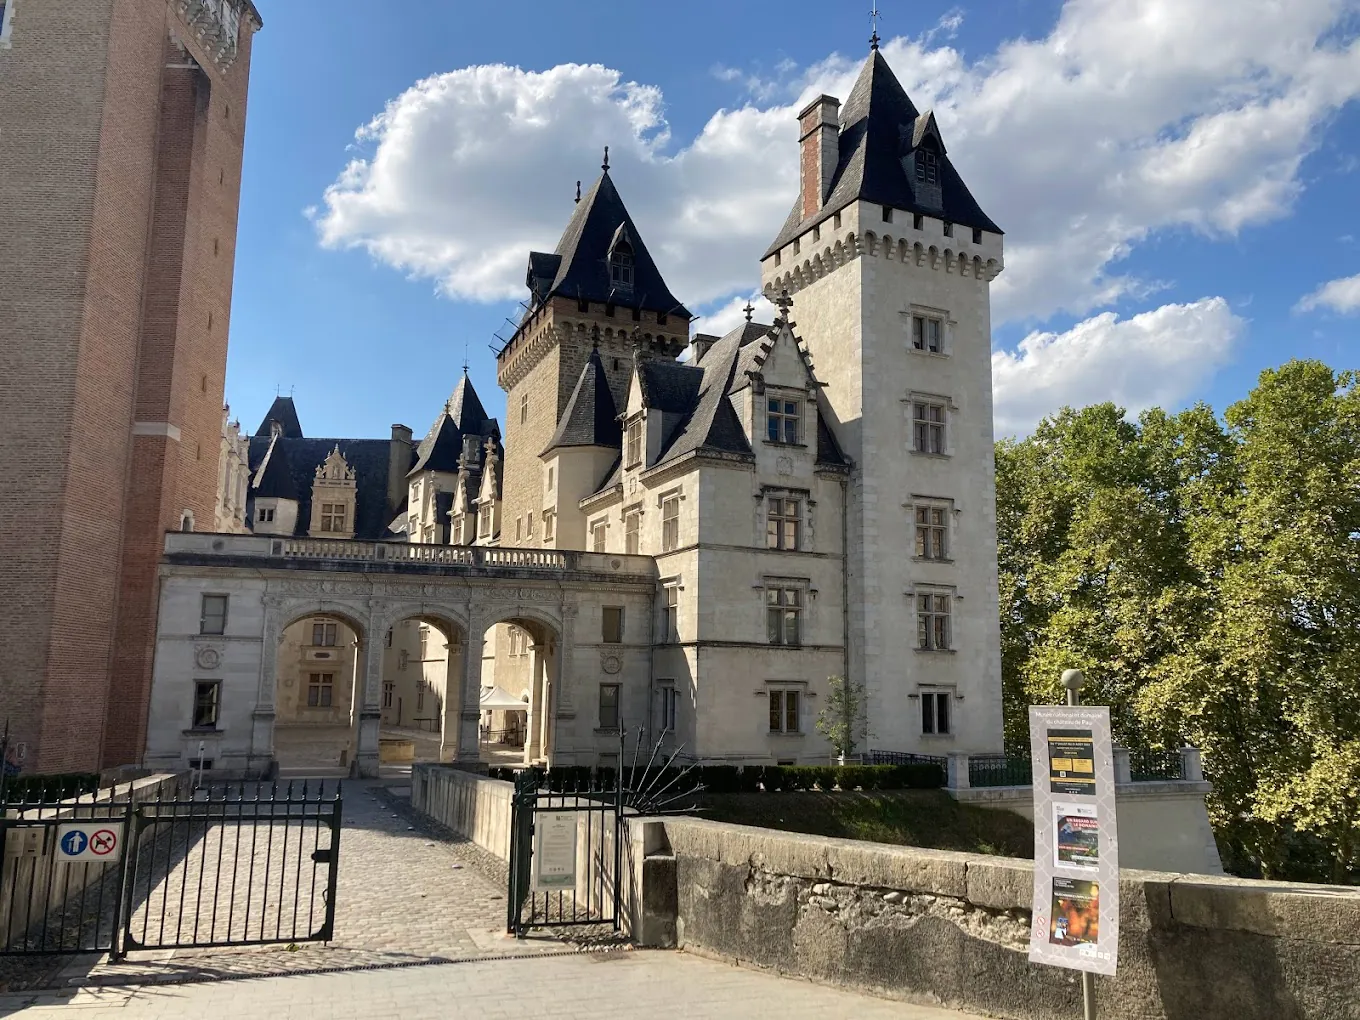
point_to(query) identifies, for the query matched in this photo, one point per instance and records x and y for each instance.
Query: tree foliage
(843, 719)
(1206, 576)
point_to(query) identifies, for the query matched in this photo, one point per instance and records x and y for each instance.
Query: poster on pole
(1076, 840)
(554, 851)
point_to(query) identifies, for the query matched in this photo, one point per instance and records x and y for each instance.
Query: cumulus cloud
(728, 317)
(1341, 295)
(1128, 118)
(1160, 357)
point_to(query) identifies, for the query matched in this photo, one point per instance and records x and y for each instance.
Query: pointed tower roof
(284, 412)
(579, 268)
(591, 417)
(880, 131)
(466, 409)
(274, 478)
(440, 450)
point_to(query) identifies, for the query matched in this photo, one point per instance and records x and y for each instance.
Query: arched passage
(318, 680)
(422, 667)
(520, 665)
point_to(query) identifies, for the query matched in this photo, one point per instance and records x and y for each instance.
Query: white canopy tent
(497, 699)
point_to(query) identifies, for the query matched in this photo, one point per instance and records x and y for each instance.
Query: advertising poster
(1076, 840)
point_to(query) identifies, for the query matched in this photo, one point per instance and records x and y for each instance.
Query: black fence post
(123, 888)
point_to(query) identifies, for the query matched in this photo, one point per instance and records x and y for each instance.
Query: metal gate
(229, 865)
(567, 831)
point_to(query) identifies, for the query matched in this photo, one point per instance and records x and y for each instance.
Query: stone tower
(599, 286)
(889, 261)
(123, 124)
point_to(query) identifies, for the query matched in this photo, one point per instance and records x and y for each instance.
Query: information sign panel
(94, 840)
(554, 851)
(1076, 839)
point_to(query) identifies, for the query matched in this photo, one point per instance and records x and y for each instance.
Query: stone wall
(951, 928)
(471, 805)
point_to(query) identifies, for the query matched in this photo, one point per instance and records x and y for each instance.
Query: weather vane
(873, 21)
(605, 166)
(750, 308)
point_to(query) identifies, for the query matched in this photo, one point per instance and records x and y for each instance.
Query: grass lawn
(926, 818)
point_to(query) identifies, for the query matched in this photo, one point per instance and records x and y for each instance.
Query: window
(797, 245)
(836, 222)
(548, 523)
(932, 622)
(550, 478)
(781, 524)
(323, 634)
(264, 514)
(667, 704)
(207, 697)
(935, 712)
(388, 640)
(784, 706)
(781, 420)
(389, 693)
(484, 520)
(918, 222)
(632, 527)
(519, 529)
(420, 695)
(931, 533)
(670, 523)
(817, 233)
(927, 333)
(424, 637)
(621, 266)
(927, 166)
(212, 617)
(948, 229)
(598, 531)
(778, 258)
(784, 615)
(523, 408)
(887, 214)
(633, 442)
(977, 235)
(609, 706)
(529, 524)
(672, 613)
(928, 420)
(320, 690)
(612, 625)
(333, 516)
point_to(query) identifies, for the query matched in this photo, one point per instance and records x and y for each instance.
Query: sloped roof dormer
(591, 417)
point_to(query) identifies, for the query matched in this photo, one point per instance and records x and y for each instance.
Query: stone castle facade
(817, 493)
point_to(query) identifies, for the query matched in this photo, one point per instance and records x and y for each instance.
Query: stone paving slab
(614, 984)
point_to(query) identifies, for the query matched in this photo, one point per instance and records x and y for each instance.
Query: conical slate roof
(466, 409)
(441, 453)
(463, 415)
(591, 417)
(283, 412)
(579, 268)
(880, 132)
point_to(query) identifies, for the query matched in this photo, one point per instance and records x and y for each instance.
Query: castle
(812, 497)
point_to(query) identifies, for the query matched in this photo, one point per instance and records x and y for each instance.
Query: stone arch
(870, 243)
(888, 246)
(903, 250)
(299, 610)
(537, 670)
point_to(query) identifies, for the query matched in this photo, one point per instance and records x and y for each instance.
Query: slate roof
(463, 415)
(441, 452)
(276, 480)
(285, 413)
(301, 457)
(879, 134)
(579, 268)
(591, 417)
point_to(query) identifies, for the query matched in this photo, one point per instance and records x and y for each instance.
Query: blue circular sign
(73, 843)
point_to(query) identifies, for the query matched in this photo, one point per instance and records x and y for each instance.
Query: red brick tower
(124, 125)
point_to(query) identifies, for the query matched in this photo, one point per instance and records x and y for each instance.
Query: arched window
(186, 521)
(621, 265)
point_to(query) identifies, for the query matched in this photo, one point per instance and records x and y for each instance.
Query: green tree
(843, 720)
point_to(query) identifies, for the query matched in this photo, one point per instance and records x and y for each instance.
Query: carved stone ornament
(207, 657)
(784, 465)
(610, 664)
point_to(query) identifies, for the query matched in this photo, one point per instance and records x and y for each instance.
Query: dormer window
(621, 266)
(927, 166)
(782, 420)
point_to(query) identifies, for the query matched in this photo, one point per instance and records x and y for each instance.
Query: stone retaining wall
(951, 928)
(470, 804)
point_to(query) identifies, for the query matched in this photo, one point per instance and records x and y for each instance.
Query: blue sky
(1178, 181)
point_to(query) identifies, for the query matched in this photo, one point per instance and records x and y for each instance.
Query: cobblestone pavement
(407, 893)
(615, 984)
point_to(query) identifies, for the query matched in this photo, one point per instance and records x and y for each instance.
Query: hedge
(743, 779)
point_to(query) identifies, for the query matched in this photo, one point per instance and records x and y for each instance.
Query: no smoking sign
(90, 841)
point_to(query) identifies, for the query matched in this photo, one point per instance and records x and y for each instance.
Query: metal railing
(1146, 766)
(988, 770)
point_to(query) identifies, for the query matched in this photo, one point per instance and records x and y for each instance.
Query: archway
(422, 665)
(520, 677)
(318, 670)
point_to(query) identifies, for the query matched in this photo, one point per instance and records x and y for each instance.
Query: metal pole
(1073, 679)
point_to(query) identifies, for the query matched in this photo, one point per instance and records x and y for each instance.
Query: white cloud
(1129, 118)
(728, 317)
(1160, 357)
(1341, 295)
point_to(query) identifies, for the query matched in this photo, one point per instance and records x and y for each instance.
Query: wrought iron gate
(230, 865)
(567, 831)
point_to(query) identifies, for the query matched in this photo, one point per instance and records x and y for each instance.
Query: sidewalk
(585, 985)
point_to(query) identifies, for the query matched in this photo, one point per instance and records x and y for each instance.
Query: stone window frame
(605, 726)
(632, 515)
(668, 705)
(930, 400)
(599, 534)
(524, 408)
(634, 442)
(213, 704)
(803, 587)
(671, 588)
(929, 312)
(261, 512)
(921, 502)
(321, 686)
(329, 631)
(942, 598)
(606, 631)
(779, 692)
(785, 395)
(673, 496)
(806, 510)
(929, 696)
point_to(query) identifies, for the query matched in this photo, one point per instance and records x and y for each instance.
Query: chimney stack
(819, 150)
(398, 465)
(701, 342)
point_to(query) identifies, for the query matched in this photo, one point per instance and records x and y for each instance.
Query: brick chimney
(819, 150)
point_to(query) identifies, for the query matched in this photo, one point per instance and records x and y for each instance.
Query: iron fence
(986, 770)
(1149, 765)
